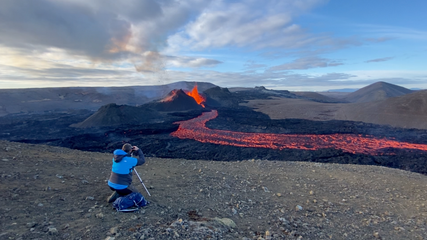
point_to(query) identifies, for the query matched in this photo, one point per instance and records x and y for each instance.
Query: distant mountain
(217, 96)
(376, 91)
(91, 98)
(407, 111)
(114, 115)
(345, 90)
(317, 97)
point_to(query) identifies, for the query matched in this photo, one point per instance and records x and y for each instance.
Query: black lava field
(160, 139)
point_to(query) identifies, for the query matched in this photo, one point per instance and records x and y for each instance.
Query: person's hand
(135, 148)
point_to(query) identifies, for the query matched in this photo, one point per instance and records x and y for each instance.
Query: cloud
(100, 30)
(67, 72)
(379, 39)
(306, 63)
(253, 65)
(278, 80)
(381, 33)
(250, 24)
(191, 62)
(380, 59)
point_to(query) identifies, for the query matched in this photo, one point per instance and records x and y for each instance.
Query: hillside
(376, 92)
(114, 115)
(408, 111)
(58, 193)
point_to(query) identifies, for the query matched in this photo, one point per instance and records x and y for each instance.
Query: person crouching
(124, 161)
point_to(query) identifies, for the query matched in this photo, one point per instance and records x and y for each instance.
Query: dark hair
(127, 148)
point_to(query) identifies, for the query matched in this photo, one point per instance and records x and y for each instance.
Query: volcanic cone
(176, 100)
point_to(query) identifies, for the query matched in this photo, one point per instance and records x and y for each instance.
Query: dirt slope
(284, 108)
(408, 111)
(57, 193)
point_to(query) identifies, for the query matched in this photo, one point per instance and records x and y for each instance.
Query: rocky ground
(57, 193)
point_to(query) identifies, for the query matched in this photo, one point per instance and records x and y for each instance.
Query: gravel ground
(57, 193)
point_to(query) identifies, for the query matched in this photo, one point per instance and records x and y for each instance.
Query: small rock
(284, 221)
(399, 229)
(113, 230)
(40, 204)
(90, 198)
(110, 238)
(85, 181)
(278, 194)
(31, 224)
(226, 221)
(267, 234)
(377, 235)
(52, 230)
(234, 211)
(298, 208)
(99, 215)
(5, 160)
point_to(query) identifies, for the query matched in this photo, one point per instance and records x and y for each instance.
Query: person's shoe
(113, 197)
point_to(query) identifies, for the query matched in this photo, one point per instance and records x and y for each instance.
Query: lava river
(196, 129)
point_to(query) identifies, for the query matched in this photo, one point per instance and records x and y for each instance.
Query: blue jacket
(123, 164)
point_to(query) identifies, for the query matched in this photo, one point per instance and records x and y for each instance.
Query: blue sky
(298, 45)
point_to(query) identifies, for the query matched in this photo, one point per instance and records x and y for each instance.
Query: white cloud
(253, 24)
(100, 30)
(380, 59)
(384, 33)
(250, 64)
(191, 62)
(306, 63)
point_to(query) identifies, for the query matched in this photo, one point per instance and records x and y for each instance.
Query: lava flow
(196, 129)
(195, 94)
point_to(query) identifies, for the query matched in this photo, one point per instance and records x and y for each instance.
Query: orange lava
(196, 129)
(195, 94)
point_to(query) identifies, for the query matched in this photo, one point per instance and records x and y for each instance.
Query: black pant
(122, 192)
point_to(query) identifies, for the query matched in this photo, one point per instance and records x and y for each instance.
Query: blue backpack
(130, 203)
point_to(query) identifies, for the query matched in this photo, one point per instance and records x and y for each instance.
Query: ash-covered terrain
(59, 193)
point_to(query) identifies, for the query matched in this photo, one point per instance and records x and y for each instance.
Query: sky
(297, 45)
